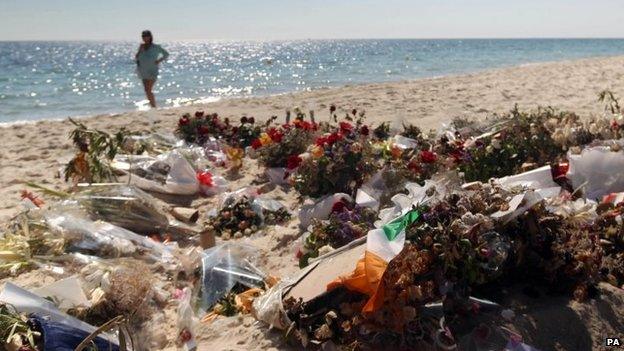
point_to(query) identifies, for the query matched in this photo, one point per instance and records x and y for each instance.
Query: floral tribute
(200, 127)
(338, 161)
(236, 218)
(346, 223)
(454, 250)
(280, 146)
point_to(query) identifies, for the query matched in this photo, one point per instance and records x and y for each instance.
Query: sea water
(41, 80)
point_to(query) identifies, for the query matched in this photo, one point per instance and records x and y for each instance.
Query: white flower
(496, 143)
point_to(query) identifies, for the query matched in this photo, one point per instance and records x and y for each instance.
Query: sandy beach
(37, 151)
(34, 152)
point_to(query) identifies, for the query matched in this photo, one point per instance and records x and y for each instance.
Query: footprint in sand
(28, 158)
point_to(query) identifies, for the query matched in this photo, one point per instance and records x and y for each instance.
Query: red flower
(414, 166)
(334, 137)
(205, 178)
(203, 130)
(199, 114)
(320, 141)
(293, 161)
(339, 206)
(560, 170)
(458, 155)
(346, 127)
(364, 130)
(428, 156)
(615, 125)
(256, 144)
(275, 135)
(184, 120)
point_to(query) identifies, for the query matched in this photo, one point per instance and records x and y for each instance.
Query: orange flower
(317, 151)
(265, 139)
(396, 152)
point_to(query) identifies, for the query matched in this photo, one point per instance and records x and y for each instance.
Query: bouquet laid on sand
(200, 127)
(338, 161)
(280, 146)
(346, 222)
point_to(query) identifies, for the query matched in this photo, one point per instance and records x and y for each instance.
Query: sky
(308, 19)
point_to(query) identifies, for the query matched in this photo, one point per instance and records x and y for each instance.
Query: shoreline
(202, 100)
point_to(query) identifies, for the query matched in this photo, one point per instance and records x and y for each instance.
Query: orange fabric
(366, 279)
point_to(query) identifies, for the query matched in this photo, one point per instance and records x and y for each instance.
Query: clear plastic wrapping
(124, 206)
(225, 266)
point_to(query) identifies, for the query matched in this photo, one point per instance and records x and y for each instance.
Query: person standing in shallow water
(148, 57)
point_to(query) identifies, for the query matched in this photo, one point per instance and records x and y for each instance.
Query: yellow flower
(317, 151)
(235, 156)
(265, 139)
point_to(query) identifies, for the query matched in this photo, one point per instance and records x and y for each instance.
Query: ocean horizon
(58, 79)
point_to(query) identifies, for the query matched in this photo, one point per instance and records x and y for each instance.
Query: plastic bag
(539, 178)
(319, 209)
(101, 238)
(404, 142)
(599, 170)
(152, 143)
(186, 321)
(403, 203)
(169, 173)
(277, 175)
(226, 265)
(125, 206)
(269, 307)
(58, 336)
(26, 302)
(67, 293)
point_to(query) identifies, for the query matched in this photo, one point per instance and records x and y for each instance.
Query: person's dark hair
(147, 33)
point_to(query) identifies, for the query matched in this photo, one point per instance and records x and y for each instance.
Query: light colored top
(146, 60)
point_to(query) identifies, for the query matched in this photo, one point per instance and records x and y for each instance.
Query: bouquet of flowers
(237, 217)
(338, 161)
(95, 150)
(525, 139)
(280, 146)
(346, 223)
(201, 127)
